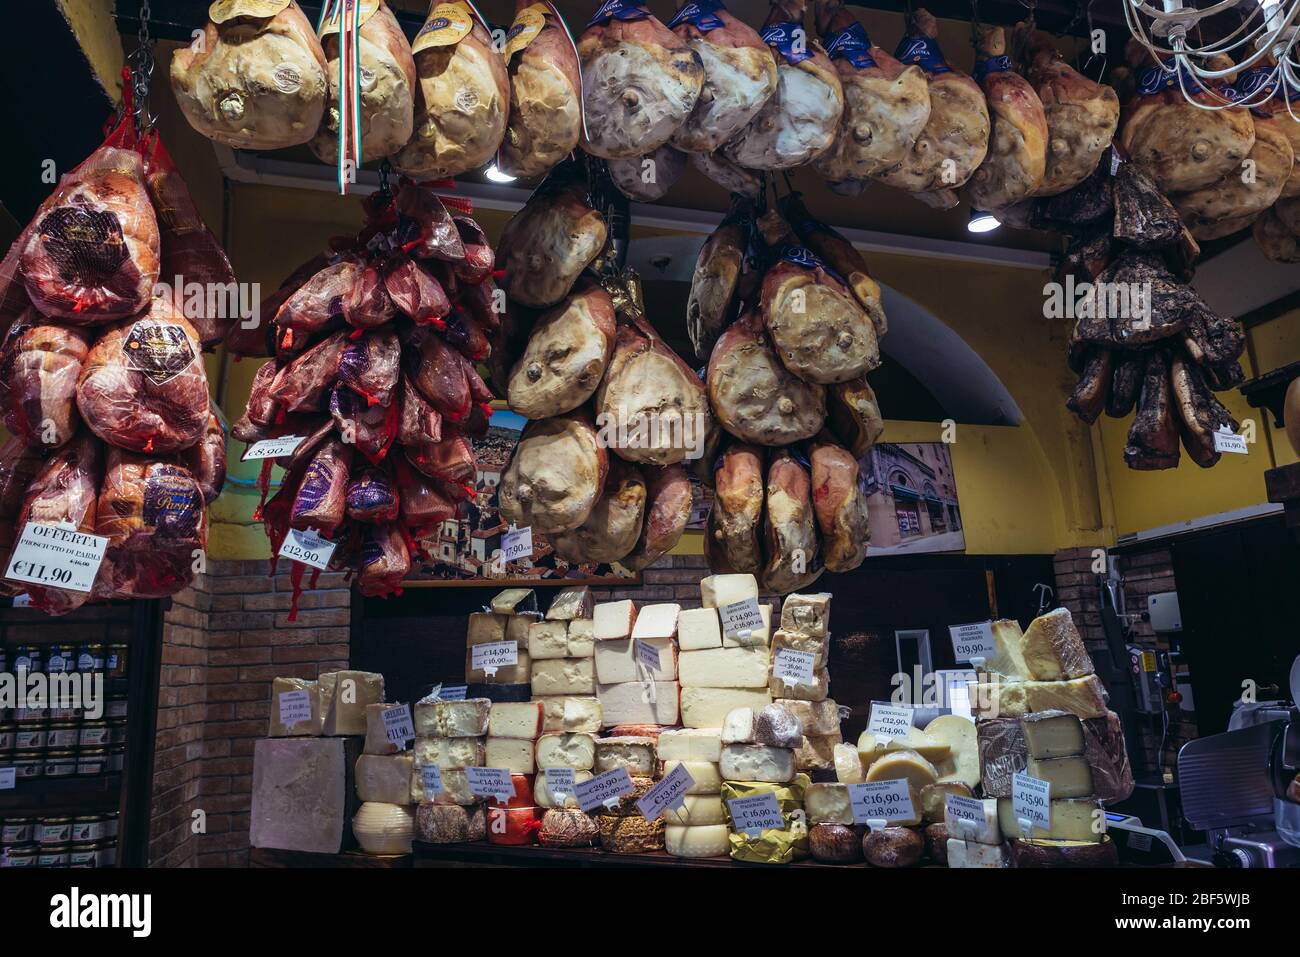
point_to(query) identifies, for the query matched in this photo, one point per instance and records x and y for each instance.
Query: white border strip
(1202, 523)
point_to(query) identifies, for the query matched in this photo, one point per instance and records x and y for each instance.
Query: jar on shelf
(31, 715)
(117, 659)
(60, 657)
(17, 830)
(54, 830)
(106, 852)
(56, 855)
(29, 657)
(8, 734)
(116, 707)
(116, 758)
(28, 765)
(60, 764)
(110, 825)
(92, 762)
(117, 731)
(63, 735)
(91, 656)
(19, 855)
(31, 737)
(88, 828)
(94, 734)
(83, 855)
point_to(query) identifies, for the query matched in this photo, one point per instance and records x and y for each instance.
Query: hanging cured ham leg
(545, 93)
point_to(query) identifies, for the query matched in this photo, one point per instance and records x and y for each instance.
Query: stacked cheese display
(805, 628)
(631, 691)
(513, 734)
(758, 757)
(698, 828)
(1043, 712)
(719, 671)
(563, 672)
(622, 827)
(450, 735)
(505, 682)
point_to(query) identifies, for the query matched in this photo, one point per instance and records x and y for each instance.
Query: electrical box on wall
(1164, 613)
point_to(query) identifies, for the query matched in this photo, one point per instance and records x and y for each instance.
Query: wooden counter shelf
(480, 853)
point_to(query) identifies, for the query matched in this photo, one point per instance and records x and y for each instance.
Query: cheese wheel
(566, 750)
(627, 802)
(631, 834)
(384, 828)
(1064, 854)
(704, 840)
(905, 765)
(450, 823)
(516, 825)
(705, 774)
(836, 843)
(568, 828)
(697, 810)
(545, 798)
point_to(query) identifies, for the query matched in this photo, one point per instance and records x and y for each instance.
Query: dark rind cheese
(1104, 750)
(1064, 854)
(936, 843)
(836, 843)
(1003, 752)
(502, 692)
(562, 827)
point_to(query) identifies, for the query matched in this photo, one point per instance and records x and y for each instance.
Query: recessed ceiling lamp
(981, 222)
(496, 176)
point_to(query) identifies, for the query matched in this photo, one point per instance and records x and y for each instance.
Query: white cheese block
(385, 778)
(816, 752)
(505, 674)
(817, 647)
(515, 601)
(384, 828)
(817, 691)
(985, 831)
(548, 639)
(1084, 697)
(656, 621)
(759, 637)
(301, 797)
(817, 717)
(515, 719)
(1007, 660)
(1072, 820)
(376, 734)
(452, 719)
(309, 727)
(614, 620)
(449, 752)
(485, 628)
(615, 661)
(738, 726)
(667, 649)
(705, 774)
(828, 803)
(566, 750)
(582, 638)
(545, 798)
(344, 696)
(630, 703)
(906, 765)
(637, 754)
(570, 713)
(754, 762)
(513, 754)
(1069, 777)
(707, 840)
(807, 614)
(963, 761)
(570, 603)
(698, 809)
(719, 590)
(724, 668)
(1053, 649)
(690, 744)
(699, 628)
(848, 765)
(563, 676)
(455, 787)
(706, 707)
(517, 628)
(973, 854)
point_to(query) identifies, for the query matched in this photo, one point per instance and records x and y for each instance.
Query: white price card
(489, 657)
(8, 779)
(430, 780)
(972, 641)
(295, 707)
(451, 692)
(560, 782)
(741, 619)
(959, 700)
(490, 782)
(273, 448)
(890, 720)
(398, 726)
(25, 601)
(965, 815)
(794, 667)
(603, 790)
(881, 801)
(517, 543)
(308, 547)
(668, 794)
(756, 814)
(648, 655)
(58, 556)
(1031, 799)
(1225, 440)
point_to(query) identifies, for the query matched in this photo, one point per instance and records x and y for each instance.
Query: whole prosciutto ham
(886, 104)
(800, 120)
(739, 74)
(640, 81)
(39, 367)
(64, 492)
(545, 121)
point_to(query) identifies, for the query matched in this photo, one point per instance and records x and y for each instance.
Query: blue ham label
(1155, 79)
(618, 10)
(852, 44)
(789, 39)
(316, 485)
(699, 14)
(173, 503)
(801, 256)
(994, 64)
(924, 52)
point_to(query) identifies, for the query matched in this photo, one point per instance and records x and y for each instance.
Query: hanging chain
(975, 26)
(142, 65)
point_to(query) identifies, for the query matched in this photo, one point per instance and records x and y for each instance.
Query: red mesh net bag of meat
(369, 365)
(371, 428)
(40, 363)
(372, 496)
(206, 458)
(385, 560)
(321, 499)
(19, 466)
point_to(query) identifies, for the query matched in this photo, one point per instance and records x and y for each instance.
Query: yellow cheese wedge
(903, 765)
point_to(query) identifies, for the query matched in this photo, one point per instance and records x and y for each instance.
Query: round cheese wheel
(936, 843)
(893, 847)
(836, 843)
(450, 823)
(384, 828)
(562, 827)
(700, 840)
(1064, 853)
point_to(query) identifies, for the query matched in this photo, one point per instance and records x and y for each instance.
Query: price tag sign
(398, 726)
(56, 555)
(959, 701)
(741, 619)
(308, 547)
(754, 815)
(890, 721)
(972, 641)
(794, 667)
(965, 815)
(430, 780)
(648, 655)
(517, 543)
(494, 655)
(881, 801)
(667, 794)
(295, 707)
(1225, 440)
(24, 601)
(8, 779)
(1031, 799)
(490, 782)
(604, 790)
(273, 448)
(451, 692)
(560, 782)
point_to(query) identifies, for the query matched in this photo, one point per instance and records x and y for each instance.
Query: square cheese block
(717, 591)
(807, 614)
(690, 744)
(513, 754)
(449, 752)
(754, 762)
(984, 831)
(303, 795)
(452, 719)
(707, 840)
(570, 713)
(517, 627)
(817, 717)
(797, 642)
(1084, 697)
(1053, 649)
(724, 668)
(385, 778)
(582, 638)
(738, 726)
(1069, 777)
(705, 775)
(455, 787)
(755, 639)
(485, 628)
(1002, 753)
(614, 620)
(817, 752)
(963, 761)
(707, 707)
(1007, 660)
(1072, 820)
(699, 628)
(377, 736)
(698, 810)
(564, 676)
(828, 804)
(519, 719)
(1053, 734)
(566, 750)
(514, 601)
(817, 691)
(616, 661)
(964, 854)
(631, 703)
(505, 675)
(312, 725)
(656, 621)
(848, 765)
(544, 797)
(571, 603)
(344, 696)
(637, 754)
(548, 639)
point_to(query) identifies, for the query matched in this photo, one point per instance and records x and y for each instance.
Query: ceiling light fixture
(981, 222)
